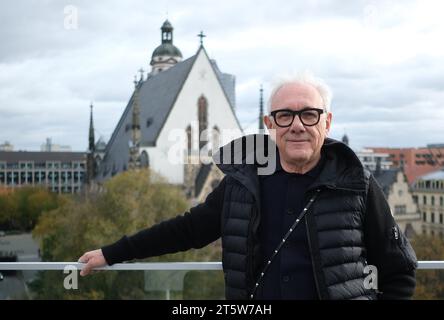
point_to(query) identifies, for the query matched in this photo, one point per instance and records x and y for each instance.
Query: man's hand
(93, 259)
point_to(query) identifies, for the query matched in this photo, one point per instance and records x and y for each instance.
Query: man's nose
(297, 125)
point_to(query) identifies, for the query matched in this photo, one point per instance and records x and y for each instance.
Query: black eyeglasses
(308, 116)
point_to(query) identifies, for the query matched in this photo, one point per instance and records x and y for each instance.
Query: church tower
(166, 55)
(90, 162)
(261, 110)
(134, 157)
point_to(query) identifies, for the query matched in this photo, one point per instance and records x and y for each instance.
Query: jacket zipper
(312, 260)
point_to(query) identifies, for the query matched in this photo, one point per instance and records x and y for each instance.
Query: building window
(66, 165)
(12, 165)
(433, 217)
(144, 160)
(202, 105)
(415, 199)
(440, 218)
(189, 139)
(433, 200)
(40, 165)
(424, 216)
(424, 199)
(441, 201)
(402, 209)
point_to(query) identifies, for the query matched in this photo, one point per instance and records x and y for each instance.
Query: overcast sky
(384, 61)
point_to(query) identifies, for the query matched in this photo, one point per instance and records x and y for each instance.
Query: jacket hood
(249, 156)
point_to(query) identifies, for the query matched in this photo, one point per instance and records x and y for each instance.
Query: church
(175, 117)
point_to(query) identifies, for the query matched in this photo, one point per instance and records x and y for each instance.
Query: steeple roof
(166, 48)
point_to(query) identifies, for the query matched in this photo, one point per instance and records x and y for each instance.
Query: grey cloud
(63, 70)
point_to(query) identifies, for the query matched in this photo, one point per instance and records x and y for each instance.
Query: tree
(429, 283)
(129, 202)
(8, 209)
(21, 208)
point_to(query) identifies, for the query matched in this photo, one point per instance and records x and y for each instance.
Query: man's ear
(268, 122)
(328, 123)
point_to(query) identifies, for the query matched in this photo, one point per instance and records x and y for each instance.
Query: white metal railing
(115, 267)
(151, 266)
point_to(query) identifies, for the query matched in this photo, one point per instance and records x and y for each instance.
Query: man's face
(298, 144)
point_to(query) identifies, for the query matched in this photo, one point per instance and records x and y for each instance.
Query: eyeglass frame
(298, 113)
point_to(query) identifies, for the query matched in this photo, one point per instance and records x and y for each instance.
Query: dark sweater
(290, 276)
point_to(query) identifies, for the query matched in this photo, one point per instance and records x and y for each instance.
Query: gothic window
(216, 138)
(189, 141)
(203, 120)
(144, 160)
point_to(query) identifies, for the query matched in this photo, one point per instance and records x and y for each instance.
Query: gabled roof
(157, 96)
(228, 82)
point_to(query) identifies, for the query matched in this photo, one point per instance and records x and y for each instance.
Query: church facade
(176, 116)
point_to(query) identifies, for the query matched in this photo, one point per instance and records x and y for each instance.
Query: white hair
(307, 78)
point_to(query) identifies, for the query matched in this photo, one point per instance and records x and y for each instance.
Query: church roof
(167, 25)
(157, 96)
(166, 49)
(228, 82)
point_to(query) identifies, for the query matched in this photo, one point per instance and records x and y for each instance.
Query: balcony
(161, 281)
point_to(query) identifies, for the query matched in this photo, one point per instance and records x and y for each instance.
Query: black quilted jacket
(349, 226)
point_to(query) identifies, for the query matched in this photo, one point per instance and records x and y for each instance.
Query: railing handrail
(116, 267)
(151, 266)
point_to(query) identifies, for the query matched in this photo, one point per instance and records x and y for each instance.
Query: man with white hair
(310, 229)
